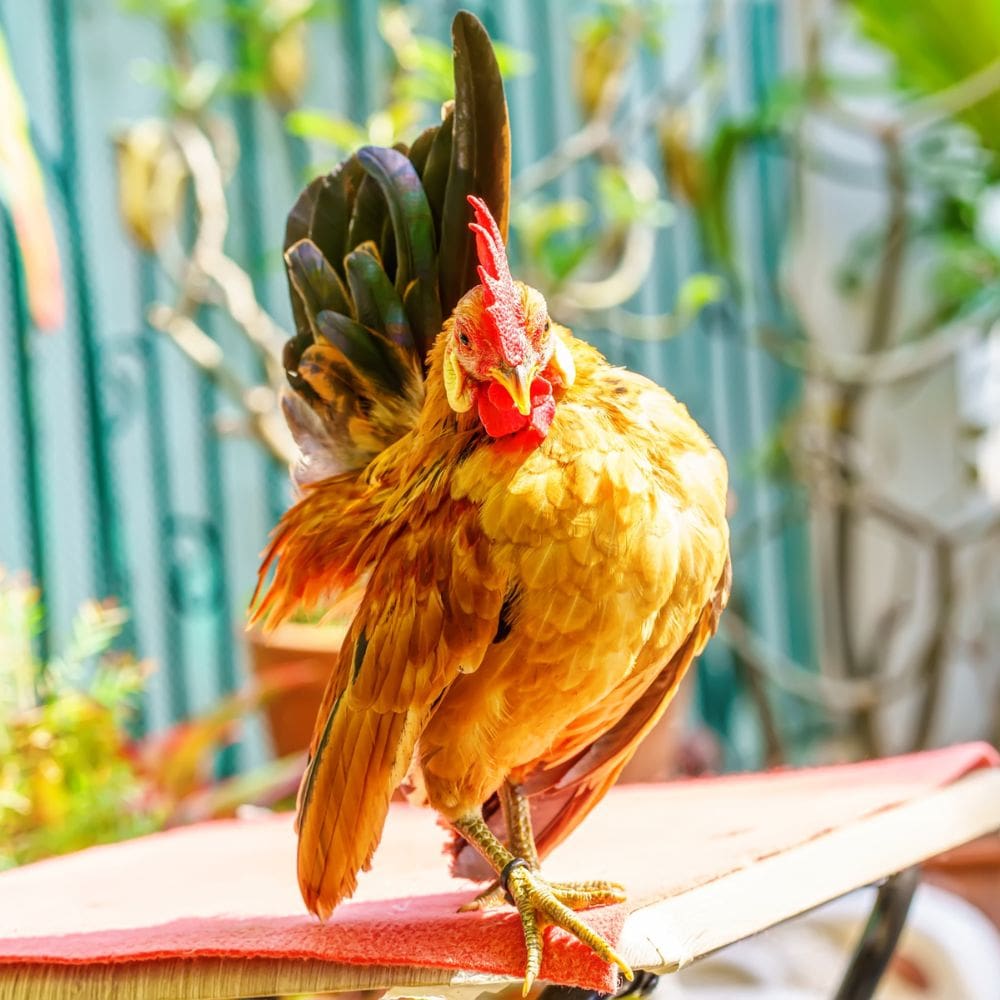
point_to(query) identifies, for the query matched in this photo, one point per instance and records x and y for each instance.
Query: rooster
(539, 538)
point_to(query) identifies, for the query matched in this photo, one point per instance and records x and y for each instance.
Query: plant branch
(866, 369)
(848, 407)
(836, 694)
(952, 101)
(208, 257)
(257, 402)
(930, 668)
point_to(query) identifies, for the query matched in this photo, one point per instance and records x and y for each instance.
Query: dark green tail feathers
(378, 252)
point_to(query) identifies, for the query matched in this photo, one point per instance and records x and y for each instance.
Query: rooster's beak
(517, 381)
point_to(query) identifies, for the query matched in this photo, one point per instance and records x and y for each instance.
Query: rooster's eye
(464, 339)
(548, 324)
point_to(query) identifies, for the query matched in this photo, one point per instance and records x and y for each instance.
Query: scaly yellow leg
(517, 816)
(537, 900)
(520, 841)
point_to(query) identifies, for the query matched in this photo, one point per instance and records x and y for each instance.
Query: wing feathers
(409, 639)
(360, 761)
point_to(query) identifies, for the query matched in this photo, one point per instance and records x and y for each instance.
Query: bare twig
(758, 689)
(848, 405)
(635, 260)
(605, 138)
(208, 276)
(931, 661)
(257, 402)
(891, 365)
(208, 258)
(588, 140)
(835, 694)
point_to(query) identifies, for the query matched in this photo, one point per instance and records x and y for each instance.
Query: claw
(532, 941)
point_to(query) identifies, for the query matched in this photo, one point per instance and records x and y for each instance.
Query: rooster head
(502, 354)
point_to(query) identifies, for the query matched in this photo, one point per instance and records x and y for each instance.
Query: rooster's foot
(540, 902)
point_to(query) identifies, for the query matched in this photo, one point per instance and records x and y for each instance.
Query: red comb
(503, 301)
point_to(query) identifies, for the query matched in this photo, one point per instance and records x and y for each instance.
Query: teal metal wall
(114, 481)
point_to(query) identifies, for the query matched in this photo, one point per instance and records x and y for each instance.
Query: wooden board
(662, 932)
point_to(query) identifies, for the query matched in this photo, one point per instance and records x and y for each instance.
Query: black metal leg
(871, 954)
(878, 941)
(643, 984)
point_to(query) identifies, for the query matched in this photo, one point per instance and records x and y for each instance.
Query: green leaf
(937, 44)
(309, 123)
(513, 62)
(94, 629)
(728, 142)
(537, 221)
(431, 60)
(621, 205)
(193, 90)
(177, 13)
(696, 292)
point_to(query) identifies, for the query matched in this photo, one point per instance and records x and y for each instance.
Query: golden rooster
(540, 537)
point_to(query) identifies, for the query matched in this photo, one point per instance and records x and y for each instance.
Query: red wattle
(500, 417)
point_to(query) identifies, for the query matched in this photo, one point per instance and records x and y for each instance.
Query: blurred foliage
(704, 177)
(606, 45)
(70, 774)
(66, 778)
(556, 238)
(552, 233)
(274, 59)
(599, 251)
(950, 153)
(557, 235)
(151, 178)
(897, 104)
(953, 63)
(420, 81)
(937, 45)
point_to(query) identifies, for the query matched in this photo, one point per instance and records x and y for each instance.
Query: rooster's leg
(520, 841)
(539, 901)
(517, 816)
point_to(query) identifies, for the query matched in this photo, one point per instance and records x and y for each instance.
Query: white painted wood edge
(667, 935)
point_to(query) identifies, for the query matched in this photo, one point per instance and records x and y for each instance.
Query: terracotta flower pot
(972, 872)
(292, 664)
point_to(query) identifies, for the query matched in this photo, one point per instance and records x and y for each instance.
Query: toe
(532, 937)
(488, 899)
(569, 921)
(583, 895)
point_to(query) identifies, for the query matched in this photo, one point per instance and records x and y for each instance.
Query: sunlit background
(786, 213)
